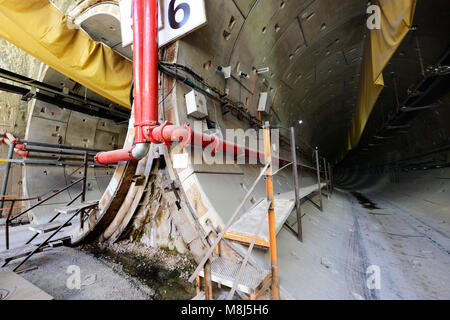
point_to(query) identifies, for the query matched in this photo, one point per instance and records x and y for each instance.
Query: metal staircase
(29, 249)
(52, 230)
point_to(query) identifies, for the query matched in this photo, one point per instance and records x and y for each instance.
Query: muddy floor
(165, 272)
(124, 271)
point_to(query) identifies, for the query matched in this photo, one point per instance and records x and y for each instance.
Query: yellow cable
(17, 80)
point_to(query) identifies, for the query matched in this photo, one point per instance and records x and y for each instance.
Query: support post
(6, 175)
(318, 178)
(296, 185)
(208, 281)
(327, 181)
(270, 198)
(8, 217)
(83, 194)
(330, 173)
(198, 285)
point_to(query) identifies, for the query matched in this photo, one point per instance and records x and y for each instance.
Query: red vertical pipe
(150, 107)
(138, 50)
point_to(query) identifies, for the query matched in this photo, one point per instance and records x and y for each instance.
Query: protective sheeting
(40, 29)
(396, 21)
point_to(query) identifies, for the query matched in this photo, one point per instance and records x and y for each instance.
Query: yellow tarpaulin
(381, 44)
(40, 29)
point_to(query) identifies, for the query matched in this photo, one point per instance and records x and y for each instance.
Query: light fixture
(300, 121)
(263, 70)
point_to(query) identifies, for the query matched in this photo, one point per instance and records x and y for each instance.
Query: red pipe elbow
(113, 157)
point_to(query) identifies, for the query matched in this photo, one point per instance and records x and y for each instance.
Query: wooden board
(244, 228)
(14, 287)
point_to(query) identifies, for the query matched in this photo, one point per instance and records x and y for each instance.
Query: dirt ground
(124, 271)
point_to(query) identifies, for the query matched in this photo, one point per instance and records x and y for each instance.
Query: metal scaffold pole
(296, 185)
(327, 181)
(270, 198)
(6, 175)
(330, 175)
(319, 185)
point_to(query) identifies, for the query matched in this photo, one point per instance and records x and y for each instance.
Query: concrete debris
(325, 262)
(89, 280)
(416, 263)
(357, 296)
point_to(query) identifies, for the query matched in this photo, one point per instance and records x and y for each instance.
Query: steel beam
(318, 178)
(296, 185)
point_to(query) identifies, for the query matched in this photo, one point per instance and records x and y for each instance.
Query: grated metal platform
(224, 271)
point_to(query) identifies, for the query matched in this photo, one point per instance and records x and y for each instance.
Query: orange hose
(4, 209)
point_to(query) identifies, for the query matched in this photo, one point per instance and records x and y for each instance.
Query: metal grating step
(224, 271)
(47, 227)
(17, 253)
(75, 208)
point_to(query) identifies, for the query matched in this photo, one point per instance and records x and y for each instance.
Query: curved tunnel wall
(51, 124)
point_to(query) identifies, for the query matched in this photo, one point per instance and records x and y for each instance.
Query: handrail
(42, 195)
(40, 202)
(56, 216)
(247, 256)
(48, 239)
(230, 222)
(43, 201)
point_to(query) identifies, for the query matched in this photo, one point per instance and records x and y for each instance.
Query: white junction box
(264, 103)
(196, 105)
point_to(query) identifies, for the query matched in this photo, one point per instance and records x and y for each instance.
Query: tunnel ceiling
(427, 43)
(313, 50)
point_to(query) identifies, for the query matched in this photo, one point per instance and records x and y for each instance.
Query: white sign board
(177, 18)
(180, 161)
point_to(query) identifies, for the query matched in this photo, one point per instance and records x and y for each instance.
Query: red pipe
(22, 153)
(145, 66)
(138, 50)
(150, 111)
(113, 157)
(147, 129)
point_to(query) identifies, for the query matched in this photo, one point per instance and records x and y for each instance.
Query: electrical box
(264, 103)
(196, 105)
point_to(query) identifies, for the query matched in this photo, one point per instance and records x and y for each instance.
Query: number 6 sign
(177, 18)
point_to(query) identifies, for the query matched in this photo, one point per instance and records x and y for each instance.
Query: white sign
(180, 161)
(177, 18)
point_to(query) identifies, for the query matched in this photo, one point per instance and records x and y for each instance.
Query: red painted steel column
(138, 64)
(150, 92)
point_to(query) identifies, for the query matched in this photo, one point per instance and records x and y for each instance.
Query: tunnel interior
(384, 202)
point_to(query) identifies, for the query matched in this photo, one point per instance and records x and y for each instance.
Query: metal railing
(48, 196)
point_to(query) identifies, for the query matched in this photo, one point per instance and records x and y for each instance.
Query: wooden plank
(246, 240)
(200, 296)
(246, 225)
(14, 287)
(244, 228)
(47, 227)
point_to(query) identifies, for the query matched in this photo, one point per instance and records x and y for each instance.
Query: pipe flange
(165, 124)
(216, 143)
(150, 136)
(188, 140)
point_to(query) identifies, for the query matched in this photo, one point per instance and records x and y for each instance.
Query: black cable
(132, 93)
